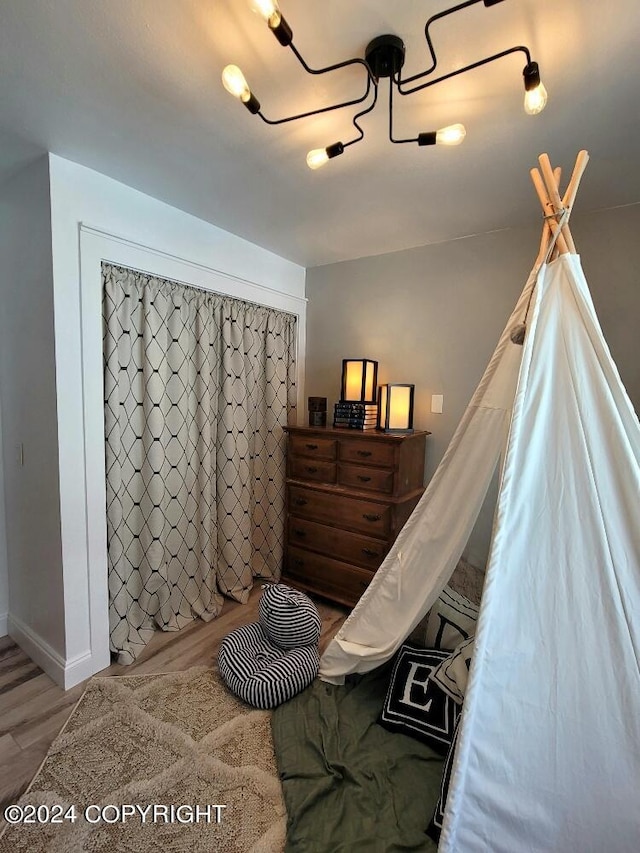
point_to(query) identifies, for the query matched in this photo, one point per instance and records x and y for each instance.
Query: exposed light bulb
(535, 100)
(317, 158)
(535, 95)
(451, 135)
(268, 11)
(234, 82)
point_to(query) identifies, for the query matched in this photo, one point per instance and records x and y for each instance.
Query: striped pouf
(261, 673)
(288, 617)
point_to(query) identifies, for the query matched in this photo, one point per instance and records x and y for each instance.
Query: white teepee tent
(548, 757)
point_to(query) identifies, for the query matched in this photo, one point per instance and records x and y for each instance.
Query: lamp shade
(395, 408)
(359, 378)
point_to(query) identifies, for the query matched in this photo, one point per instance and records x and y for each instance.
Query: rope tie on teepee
(555, 207)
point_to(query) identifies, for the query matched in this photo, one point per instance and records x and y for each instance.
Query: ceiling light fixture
(384, 57)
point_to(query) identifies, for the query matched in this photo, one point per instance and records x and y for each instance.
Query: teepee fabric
(548, 757)
(549, 752)
(423, 557)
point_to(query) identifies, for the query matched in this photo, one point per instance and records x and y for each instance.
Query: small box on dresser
(349, 493)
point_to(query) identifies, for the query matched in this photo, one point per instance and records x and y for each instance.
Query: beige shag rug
(147, 743)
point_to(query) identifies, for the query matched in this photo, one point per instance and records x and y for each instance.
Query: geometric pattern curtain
(197, 389)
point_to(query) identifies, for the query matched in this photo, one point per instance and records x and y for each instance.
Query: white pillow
(452, 674)
(452, 619)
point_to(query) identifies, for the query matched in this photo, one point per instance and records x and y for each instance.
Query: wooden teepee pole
(578, 171)
(549, 211)
(555, 225)
(547, 187)
(553, 192)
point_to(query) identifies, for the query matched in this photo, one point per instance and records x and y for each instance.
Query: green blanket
(349, 785)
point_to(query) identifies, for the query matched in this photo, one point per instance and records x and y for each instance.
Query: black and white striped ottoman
(261, 673)
(266, 663)
(288, 617)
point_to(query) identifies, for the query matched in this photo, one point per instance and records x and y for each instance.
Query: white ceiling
(132, 89)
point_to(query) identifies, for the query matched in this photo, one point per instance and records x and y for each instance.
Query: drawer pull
(364, 453)
(301, 502)
(311, 446)
(298, 562)
(364, 479)
(299, 533)
(369, 516)
(311, 470)
(369, 552)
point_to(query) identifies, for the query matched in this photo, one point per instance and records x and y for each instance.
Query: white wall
(94, 217)
(27, 384)
(432, 316)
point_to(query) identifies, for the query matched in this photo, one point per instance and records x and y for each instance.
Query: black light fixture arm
(427, 26)
(470, 67)
(384, 57)
(355, 61)
(319, 156)
(322, 109)
(284, 34)
(391, 139)
(359, 115)
(371, 81)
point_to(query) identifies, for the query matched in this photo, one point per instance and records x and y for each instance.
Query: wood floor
(33, 709)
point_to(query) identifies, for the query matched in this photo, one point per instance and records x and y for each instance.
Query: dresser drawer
(351, 547)
(353, 514)
(316, 448)
(332, 578)
(368, 452)
(349, 492)
(316, 470)
(370, 479)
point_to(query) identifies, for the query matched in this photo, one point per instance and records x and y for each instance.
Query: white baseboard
(79, 668)
(65, 673)
(38, 649)
(4, 619)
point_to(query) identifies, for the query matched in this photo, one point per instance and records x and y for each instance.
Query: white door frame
(97, 246)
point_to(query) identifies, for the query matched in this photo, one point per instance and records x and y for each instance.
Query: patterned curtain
(197, 389)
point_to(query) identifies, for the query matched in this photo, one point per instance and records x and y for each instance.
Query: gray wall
(609, 245)
(432, 316)
(4, 569)
(27, 384)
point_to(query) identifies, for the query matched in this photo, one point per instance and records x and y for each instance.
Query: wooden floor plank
(18, 771)
(33, 709)
(44, 726)
(6, 642)
(49, 700)
(24, 692)
(16, 674)
(8, 748)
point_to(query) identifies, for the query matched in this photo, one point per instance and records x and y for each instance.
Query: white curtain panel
(197, 389)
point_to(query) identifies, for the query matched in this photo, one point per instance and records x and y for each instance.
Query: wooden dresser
(349, 493)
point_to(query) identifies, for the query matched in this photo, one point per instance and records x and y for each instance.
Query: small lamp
(359, 378)
(395, 408)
